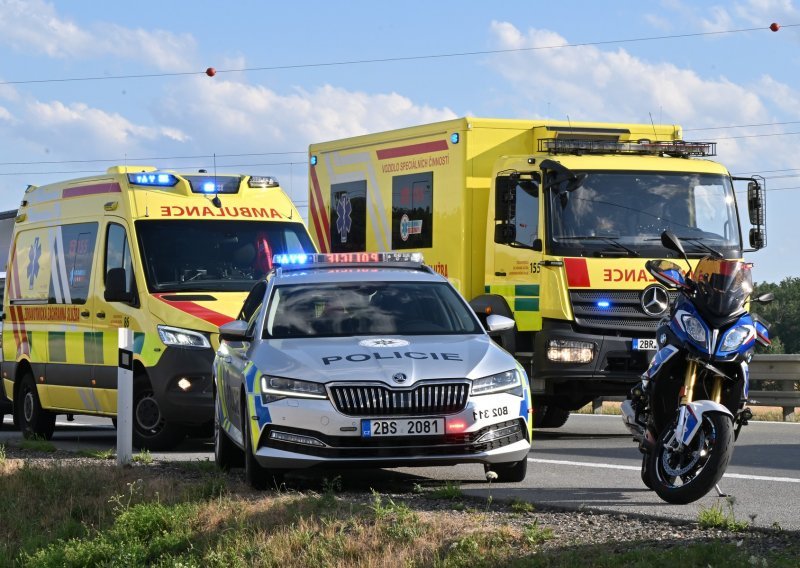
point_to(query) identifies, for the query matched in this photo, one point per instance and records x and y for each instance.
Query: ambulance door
(66, 257)
(120, 310)
(518, 248)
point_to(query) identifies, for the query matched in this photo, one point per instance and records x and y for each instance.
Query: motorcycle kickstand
(719, 491)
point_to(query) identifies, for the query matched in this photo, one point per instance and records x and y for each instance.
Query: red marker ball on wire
(774, 26)
(211, 71)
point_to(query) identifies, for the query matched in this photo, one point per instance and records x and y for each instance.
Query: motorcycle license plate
(402, 427)
(645, 345)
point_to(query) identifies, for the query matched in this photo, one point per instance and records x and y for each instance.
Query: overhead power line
(212, 71)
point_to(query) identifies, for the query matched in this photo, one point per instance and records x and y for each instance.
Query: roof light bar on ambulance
(262, 181)
(153, 179)
(677, 148)
(299, 260)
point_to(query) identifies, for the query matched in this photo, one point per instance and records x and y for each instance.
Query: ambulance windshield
(624, 213)
(226, 256)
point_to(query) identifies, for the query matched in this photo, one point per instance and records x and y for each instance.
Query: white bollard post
(125, 398)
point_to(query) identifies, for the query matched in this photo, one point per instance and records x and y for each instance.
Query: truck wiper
(609, 240)
(698, 242)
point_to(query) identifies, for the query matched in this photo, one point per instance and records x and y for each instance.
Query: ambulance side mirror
(117, 287)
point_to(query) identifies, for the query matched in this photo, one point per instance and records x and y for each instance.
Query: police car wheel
(150, 430)
(33, 420)
(226, 453)
(257, 477)
(512, 472)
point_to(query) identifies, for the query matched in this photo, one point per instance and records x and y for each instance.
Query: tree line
(783, 314)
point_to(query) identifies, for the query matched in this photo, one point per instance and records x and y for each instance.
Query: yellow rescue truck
(170, 256)
(547, 222)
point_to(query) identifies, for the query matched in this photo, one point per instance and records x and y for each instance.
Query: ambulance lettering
(363, 357)
(628, 275)
(226, 212)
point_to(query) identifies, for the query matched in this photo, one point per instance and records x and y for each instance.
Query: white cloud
(5, 115)
(34, 26)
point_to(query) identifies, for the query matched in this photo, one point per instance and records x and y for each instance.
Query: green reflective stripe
(93, 347)
(526, 304)
(57, 345)
(526, 290)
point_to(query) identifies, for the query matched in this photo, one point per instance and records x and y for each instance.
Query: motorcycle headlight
(695, 329)
(501, 382)
(276, 388)
(734, 338)
(182, 337)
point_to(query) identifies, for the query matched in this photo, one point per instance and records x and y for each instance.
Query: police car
(366, 359)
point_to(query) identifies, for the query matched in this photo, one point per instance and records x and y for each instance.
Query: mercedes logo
(655, 300)
(399, 377)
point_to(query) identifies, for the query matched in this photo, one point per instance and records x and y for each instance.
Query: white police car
(367, 359)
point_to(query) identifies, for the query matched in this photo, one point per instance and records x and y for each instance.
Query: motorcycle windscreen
(723, 286)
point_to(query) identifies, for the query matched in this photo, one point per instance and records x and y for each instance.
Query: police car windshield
(369, 308)
(200, 255)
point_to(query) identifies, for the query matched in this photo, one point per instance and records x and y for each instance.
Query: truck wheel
(150, 430)
(554, 417)
(33, 420)
(512, 472)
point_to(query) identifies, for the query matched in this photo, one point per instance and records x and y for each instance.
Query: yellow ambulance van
(169, 255)
(548, 222)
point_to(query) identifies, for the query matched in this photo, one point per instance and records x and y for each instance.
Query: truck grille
(376, 400)
(624, 314)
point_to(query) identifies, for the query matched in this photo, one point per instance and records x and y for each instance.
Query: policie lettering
(362, 357)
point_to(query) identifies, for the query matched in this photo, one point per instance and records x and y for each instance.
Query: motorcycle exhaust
(629, 418)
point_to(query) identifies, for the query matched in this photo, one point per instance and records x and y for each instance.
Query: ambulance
(168, 255)
(548, 222)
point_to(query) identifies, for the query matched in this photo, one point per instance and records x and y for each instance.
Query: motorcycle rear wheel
(681, 477)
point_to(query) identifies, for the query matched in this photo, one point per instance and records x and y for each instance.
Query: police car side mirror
(235, 330)
(496, 323)
(117, 287)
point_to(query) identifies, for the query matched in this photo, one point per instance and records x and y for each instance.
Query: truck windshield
(624, 214)
(223, 256)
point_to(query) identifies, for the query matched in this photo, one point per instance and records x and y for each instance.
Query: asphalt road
(590, 462)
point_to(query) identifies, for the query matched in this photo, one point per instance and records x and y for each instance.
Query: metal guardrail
(781, 369)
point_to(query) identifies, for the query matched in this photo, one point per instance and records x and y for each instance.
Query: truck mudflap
(615, 366)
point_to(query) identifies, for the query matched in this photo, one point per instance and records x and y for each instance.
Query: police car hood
(381, 358)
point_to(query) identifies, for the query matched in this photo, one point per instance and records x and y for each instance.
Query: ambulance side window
(78, 252)
(118, 254)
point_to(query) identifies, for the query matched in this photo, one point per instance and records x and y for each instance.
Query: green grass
(2, 454)
(143, 457)
(717, 517)
(450, 491)
(37, 444)
(109, 454)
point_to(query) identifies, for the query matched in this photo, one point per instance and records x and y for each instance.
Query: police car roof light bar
(302, 260)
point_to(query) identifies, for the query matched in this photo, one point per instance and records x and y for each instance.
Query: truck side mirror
(505, 233)
(755, 203)
(505, 188)
(758, 238)
(117, 287)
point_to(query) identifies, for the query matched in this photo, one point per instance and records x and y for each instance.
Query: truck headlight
(695, 329)
(508, 381)
(183, 337)
(276, 388)
(568, 351)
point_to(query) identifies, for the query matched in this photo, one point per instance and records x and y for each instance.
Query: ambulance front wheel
(34, 421)
(150, 430)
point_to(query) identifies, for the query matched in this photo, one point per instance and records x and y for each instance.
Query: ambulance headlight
(183, 337)
(508, 381)
(276, 388)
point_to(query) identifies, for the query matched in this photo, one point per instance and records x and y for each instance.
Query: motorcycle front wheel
(681, 476)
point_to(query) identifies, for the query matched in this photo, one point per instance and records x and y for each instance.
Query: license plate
(645, 345)
(402, 427)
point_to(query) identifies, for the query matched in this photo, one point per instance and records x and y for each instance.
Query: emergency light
(262, 181)
(676, 148)
(302, 259)
(153, 179)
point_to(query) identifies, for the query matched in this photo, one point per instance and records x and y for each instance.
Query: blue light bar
(313, 160)
(153, 179)
(209, 187)
(301, 259)
(454, 138)
(604, 304)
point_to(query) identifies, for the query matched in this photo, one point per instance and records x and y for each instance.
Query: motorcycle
(690, 406)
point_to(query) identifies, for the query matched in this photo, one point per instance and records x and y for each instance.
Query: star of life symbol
(387, 342)
(343, 220)
(34, 253)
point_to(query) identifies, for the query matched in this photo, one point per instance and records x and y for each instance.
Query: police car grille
(625, 312)
(358, 400)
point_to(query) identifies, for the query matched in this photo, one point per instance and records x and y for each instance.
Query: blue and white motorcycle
(691, 404)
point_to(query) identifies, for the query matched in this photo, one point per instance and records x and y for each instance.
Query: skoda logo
(399, 377)
(655, 300)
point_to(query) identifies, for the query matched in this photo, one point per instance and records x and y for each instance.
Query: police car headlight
(182, 337)
(276, 388)
(508, 381)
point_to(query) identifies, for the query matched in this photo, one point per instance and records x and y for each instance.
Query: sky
(86, 85)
